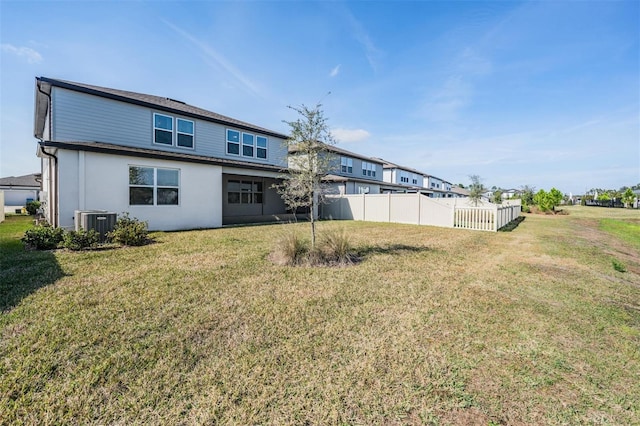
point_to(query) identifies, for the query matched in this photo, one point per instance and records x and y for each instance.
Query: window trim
(239, 143)
(154, 186)
(252, 145)
(174, 131)
(265, 148)
(157, 114)
(368, 169)
(346, 165)
(193, 135)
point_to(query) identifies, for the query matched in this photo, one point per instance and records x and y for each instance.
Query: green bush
(32, 207)
(43, 237)
(78, 240)
(130, 231)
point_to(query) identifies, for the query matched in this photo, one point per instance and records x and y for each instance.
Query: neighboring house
(164, 161)
(458, 192)
(508, 194)
(351, 173)
(401, 179)
(19, 190)
(440, 188)
(406, 179)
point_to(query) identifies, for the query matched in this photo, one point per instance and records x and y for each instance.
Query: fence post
(453, 213)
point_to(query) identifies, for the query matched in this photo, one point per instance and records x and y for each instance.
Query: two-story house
(164, 161)
(401, 178)
(350, 173)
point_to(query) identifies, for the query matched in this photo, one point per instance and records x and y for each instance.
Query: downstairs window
(152, 186)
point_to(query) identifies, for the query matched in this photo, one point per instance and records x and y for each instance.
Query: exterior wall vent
(101, 221)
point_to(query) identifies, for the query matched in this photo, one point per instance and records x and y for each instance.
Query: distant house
(412, 180)
(351, 173)
(164, 161)
(458, 192)
(18, 190)
(403, 179)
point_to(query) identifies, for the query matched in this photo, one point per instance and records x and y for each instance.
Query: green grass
(432, 326)
(627, 230)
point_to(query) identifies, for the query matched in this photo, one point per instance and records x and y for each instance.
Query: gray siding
(83, 117)
(357, 169)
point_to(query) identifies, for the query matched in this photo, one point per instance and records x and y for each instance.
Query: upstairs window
(368, 169)
(185, 133)
(163, 129)
(414, 179)
(346, 165)
(233, 142)
(404, 177)
(153, 186)
(247, 144)
(261, 150)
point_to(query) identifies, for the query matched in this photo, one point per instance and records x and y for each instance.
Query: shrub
(32, 207)
(336, 247)
(130, 231)
(78, 240)
(291, 249)
(43, 237)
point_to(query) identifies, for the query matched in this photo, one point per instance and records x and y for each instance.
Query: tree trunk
(313, 221)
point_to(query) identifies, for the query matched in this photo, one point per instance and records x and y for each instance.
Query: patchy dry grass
(432, 326)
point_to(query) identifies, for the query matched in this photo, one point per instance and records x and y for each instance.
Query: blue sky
(543, 93)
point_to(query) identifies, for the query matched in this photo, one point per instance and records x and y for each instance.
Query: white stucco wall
(19, 197)
(92, 181)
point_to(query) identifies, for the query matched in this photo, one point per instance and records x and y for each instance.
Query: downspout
(52, 200)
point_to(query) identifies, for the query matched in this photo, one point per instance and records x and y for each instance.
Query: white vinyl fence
(1, 206)
(418, 209)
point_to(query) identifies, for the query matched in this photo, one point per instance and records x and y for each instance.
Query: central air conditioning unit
(100, 221)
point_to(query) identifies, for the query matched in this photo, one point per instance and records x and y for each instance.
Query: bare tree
(310, 160)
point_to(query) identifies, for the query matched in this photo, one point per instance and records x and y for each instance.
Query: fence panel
(420, 210)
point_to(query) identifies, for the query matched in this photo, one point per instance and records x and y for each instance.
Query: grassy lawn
(433, 326)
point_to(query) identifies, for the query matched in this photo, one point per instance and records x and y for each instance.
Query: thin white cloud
(335, 71)
(361, 35)
(32, 56)
(218, 60)
(350, 135)
(446, 103)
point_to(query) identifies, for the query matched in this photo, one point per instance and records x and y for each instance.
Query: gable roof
(32, 180)
(151, 101)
